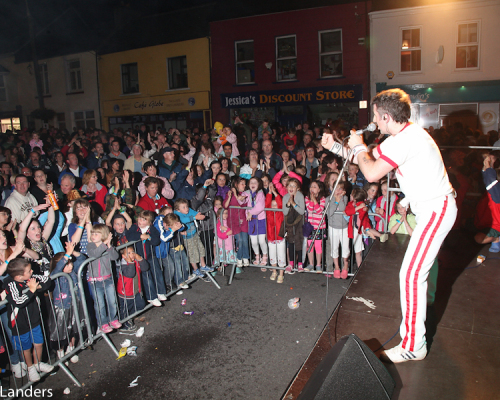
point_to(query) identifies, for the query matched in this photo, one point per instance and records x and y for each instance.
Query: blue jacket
(62, 294)
(165, 172)
(183, 190)
(188, 221)
(94, 162)
(166, 235)
(67, 171)
(143, 248)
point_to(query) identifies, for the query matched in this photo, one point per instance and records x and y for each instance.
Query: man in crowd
(21, 201)
(115, 151)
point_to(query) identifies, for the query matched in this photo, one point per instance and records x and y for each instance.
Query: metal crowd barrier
(228, 249)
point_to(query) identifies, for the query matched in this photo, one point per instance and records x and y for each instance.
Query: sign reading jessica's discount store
(326, 94)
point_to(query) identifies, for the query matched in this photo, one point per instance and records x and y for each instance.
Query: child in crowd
(119, 221)
(218, 203)
(225, 238)
(381, 205)
(354, 176)
(358, 223)
(403, 222)
(315, 205)
(195, 249)
(100, 276)
(128, 285)
(281, 178)
(24, 314)
(152, 279)
(371, 200)
(178, 265)
(337, 230)
(222, 187)
(294, 208)
(36, 142)
(256, 218)
(62, 321)
(274, 222)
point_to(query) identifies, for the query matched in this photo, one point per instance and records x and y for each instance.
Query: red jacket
(147, 203)
(274, 219)
(127, 273)
(350, 211)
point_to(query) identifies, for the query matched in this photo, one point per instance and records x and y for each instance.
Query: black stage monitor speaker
(350, 371)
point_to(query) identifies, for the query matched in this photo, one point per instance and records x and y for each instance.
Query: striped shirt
(315, 212)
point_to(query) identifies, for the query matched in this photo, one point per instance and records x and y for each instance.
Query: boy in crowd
(24, 314)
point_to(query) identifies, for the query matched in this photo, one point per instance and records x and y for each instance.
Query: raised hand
(70, 247)
(208, 182)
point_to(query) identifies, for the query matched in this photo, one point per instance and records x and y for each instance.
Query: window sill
(287, 81)
(322, 78)
(245, 84)
(467, 69)
(45, 96)
(131, 94)
(70, 93)
(177, 90)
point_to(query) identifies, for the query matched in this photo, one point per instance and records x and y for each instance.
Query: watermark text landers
(28, 393)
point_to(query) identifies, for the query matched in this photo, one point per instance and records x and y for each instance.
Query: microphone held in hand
(370, 128)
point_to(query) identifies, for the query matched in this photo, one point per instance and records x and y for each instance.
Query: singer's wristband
(359, 149)
(67, 256)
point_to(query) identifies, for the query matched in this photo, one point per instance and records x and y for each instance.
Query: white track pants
(435, 219)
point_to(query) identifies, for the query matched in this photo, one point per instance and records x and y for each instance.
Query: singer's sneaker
(398, 354)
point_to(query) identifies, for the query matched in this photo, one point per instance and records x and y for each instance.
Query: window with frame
(177, 72)
(61, 120)
(330, 53)
(74, 75)
(411, 51)
(286, 58)
(130, 78)
(44, 76)
(3, 89)
(84, 119)
(245, 66)
(467, 45)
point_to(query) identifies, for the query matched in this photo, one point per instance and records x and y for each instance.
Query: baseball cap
(166, 150)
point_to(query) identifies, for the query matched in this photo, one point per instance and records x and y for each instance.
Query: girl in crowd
(274, 222)
(207, 155)
(225, 238)
(337, 230)
(315, 205)
(253, 166)
(403, 222)
(256, 218)
(237, 221)
(294, 208)
(96, 193)
(381, 205)
(81, 225)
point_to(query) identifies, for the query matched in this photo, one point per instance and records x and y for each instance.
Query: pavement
(242, 342)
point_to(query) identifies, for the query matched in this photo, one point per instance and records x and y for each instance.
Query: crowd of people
(192, 200)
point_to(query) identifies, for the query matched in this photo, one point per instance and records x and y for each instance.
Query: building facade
(445, 56)
(70, 88)
(160, 86)
(291, 67)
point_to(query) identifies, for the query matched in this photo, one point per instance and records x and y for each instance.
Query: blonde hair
(102, 229)
(87, 175)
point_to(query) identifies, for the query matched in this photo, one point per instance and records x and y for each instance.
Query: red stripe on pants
(408, 274)
(412, 339)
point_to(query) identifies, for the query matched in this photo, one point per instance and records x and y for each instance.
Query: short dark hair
(394, 102)
(359, 194)
(17, 267)
(150, 180)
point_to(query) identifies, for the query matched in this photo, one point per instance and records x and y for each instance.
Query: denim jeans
(15, 355)
(242, 243)
(104, 296)
(130, 306)
(158, 283)
(176, 267)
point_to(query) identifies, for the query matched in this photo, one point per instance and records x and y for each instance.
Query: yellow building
(159, 86)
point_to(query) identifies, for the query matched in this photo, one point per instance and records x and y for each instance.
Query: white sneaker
(183, 285)
(191, 277)
(44, 367)
(75, 358)
(155, 302)
(239, 263)
(179, 292)
(162, 297)
(19, 370)
(246, 262)
(398, 354)
(33, 374)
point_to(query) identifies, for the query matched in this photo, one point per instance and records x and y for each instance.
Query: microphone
(370, 128)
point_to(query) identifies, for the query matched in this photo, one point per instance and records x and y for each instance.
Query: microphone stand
(331, 195)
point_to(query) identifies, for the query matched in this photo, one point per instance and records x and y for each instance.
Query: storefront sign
(159, 104)
(327, 94)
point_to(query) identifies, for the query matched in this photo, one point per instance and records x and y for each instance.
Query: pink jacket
(233, 140)
(260, 204)
(166, 192)
(277, 184)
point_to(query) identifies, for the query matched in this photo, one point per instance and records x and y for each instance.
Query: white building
(446, 56)
(70, 87)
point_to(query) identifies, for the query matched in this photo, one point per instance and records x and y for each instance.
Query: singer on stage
(423, 179)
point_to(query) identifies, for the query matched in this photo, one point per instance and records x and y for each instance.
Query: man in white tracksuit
(423, 179)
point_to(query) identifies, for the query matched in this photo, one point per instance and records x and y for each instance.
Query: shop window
(84, 119)
(10, 123)
(177, 73)
(468, 45)
(245, 67)
(286, 58)
(130, 78)
(44, 76)
(74, 74)
(330, 53)
(61, 120)
(410, 50)
(3, 89)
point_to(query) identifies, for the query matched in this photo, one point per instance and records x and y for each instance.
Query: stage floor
(463, 326)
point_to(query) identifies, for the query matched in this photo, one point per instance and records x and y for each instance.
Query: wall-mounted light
(268, 65)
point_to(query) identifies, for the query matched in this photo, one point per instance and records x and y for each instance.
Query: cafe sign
(326, 94)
